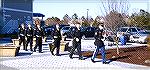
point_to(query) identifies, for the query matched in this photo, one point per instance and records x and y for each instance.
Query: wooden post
(117, 44)
(62, 44)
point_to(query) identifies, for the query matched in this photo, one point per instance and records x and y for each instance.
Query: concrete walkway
(40, 61)
(28, 60)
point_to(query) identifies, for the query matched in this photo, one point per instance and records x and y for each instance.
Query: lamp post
(87, 14)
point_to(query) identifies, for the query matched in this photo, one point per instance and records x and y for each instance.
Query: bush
(13, 36)
(148, 40)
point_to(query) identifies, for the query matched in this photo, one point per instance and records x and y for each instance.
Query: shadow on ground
(24, 53)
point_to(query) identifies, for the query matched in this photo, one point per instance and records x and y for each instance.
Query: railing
(10, 27)
(14, 27)
(6, 27)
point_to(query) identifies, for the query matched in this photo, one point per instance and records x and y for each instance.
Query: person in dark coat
(57, 38)
(22, 33)
(77, 36)
(39, 34)
(99, 43)
(29, 35)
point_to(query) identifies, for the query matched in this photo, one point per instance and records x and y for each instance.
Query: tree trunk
(117, 44)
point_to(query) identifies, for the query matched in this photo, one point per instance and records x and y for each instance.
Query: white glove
(65, 36)
(95, 33)
(44, 39)
(77, 39)
(19, 38)
(25, 38)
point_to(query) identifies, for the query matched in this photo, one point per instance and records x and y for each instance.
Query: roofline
(17, 10)
(129, 27)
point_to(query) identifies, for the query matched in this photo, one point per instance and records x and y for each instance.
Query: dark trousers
(38, 44)
(76, 45)
(22, 40)
(29, 40)
(57, 46)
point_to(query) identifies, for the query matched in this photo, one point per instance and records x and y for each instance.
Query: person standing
(57, 38)
(99, 43)
(76, 42)
(29, 35)
(22, 33)
(39, 34)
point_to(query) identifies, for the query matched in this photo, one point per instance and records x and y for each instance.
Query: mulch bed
(135, 55)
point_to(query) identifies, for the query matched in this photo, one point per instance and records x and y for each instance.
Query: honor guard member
(76, 42)
(39, 33)
(29, 35)
(57, 39)
(22, 33)
(99, 43)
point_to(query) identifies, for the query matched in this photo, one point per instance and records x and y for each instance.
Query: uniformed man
(57, 38)
(99, 43)
(29, 35)
(22, 33)
(76, 42)
(39, 34)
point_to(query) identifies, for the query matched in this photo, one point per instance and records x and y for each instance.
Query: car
(63, 25)
(109, 35)
(49, 29)
(70, 32)
(86, 32)
(64, 30)
(128, 31)
(140, 37)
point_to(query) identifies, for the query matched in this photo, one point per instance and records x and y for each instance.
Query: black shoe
(26, 50)
(31, 50)
(40, 52)
(70, 57)
(105, 62)
(92, 60)
(81, 58)
(58, 55)
(52, 53)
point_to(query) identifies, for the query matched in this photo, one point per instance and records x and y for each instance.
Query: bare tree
(66, 19)
(84, 21)
(48, 21)
(74, 18)
(112, 11)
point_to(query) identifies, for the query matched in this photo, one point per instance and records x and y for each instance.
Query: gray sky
(58, 8)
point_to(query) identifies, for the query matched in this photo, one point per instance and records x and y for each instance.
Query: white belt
(21, 34)
(28, 35)
(55, 36)
(38, 36)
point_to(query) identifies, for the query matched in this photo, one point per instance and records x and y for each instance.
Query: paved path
(47, 61)
(28, 60)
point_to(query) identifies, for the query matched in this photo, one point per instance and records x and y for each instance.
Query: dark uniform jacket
(77, 36)
(22, 32)
(29, 32)
(57, 35)
(98, 37)
(39, 33)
